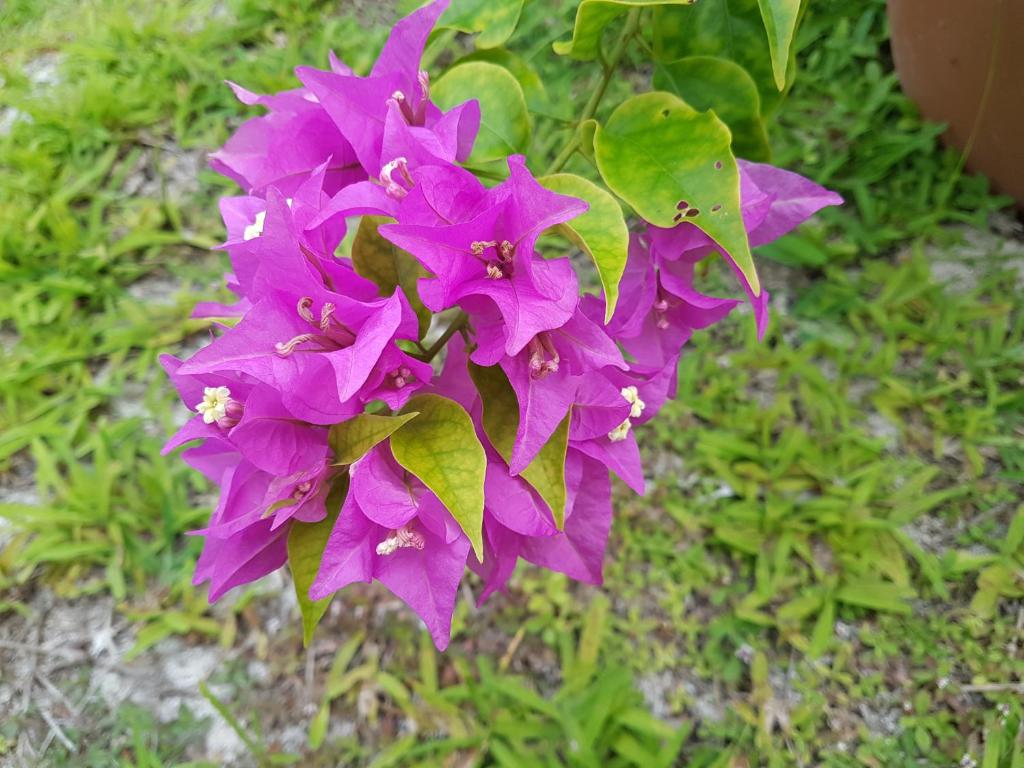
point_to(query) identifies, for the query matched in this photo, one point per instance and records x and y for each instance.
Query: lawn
(828, 566)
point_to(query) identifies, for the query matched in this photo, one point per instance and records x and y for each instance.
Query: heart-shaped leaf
(534, 92)
(709, 82)
(672, 163)
(601, 232)
(441, 448)
(352, 439)
(504, 119)
(493, 21)
(546, 473)
(592, 16)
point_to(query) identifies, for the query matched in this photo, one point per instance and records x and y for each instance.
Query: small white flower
(256, 228)
(636, 409)
(636, 404)
(967, 761)
(943, 683)
(214, 404)
(621, 432)
(387, 546)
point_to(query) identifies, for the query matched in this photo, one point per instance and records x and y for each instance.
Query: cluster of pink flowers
(315, 343)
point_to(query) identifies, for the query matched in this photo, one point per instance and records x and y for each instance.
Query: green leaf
(534, 92)
(504, 120)
(546, 473)
(601, 232)
(877, 595)
(441, 448)
(352, 439)
(493, 20)
(306, 542)
(709, 82)
(730, 29)
(670, 162)
(780, 18)
(1015, 535)
(592, 16)
(388, 267)
(588, 128)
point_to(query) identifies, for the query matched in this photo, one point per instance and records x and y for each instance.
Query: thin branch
(454, 327)
(628, 31)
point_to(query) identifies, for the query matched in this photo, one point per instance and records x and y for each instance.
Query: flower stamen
(477, 247)
(325, 316)
(544, 357)
(392, 187)
(285, 348)
(303, 309)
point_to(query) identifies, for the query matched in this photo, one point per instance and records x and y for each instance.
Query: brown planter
(962, 61)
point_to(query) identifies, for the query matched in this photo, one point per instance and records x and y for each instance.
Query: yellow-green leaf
(494, 20)
(387, 266)
(780, 18)
(672, 163)
(306, 542)
(710, 82)
(352, 439)
(601, 232)
(592, 16)
(441, 448)
(546, 472)
(504, 119)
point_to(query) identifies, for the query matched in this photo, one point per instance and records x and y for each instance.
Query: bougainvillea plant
(437, 392)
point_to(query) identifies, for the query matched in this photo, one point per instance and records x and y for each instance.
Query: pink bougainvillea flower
(546, 375)
(247, 535)
(659, 309)
(248, 415)
(359, 105)
(265, 151)
(393, 530)
(265, 234)
(488, 259)
(318, 347)
(577, 551)
(773, 202)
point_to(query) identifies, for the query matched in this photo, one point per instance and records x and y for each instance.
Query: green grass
(827, 569)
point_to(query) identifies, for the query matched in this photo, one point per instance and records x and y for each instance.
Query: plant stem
(454, 327)
(590, 109)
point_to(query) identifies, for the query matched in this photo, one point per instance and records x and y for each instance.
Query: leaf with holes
(504, 119)
(546, 473)
(601, 232)
(352, 439)
(710, 82)
(780, 19)
(592, 16)
(493, 21)
(441, 448)
(387, 266)
(670, 162)
(306, 542)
